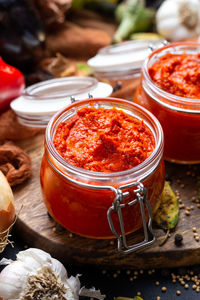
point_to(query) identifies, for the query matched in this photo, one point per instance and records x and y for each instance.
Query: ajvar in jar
(170, 89)
(78, 188)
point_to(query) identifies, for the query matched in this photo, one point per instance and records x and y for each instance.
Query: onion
(7, 211)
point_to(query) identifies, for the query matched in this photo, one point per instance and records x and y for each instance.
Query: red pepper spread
(104, 140)
(178, 74)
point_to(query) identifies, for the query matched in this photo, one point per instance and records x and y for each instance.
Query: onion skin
(7, 208)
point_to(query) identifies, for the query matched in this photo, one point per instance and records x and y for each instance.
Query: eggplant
(21, 31)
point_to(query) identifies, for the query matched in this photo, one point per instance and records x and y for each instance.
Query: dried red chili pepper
(11, 84)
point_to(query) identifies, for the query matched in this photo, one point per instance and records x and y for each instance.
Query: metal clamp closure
(140, 197)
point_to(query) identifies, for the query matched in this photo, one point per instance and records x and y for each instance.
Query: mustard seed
(194, 229)
(197, 238)
(163, 289)
(194, 286)
(187, 212)
(157, 282)
(186, 286)
(178, 292)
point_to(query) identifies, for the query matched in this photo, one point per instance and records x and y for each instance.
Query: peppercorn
(178, 239)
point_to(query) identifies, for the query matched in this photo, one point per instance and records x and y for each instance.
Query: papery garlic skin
(31, 263)
(178, 19)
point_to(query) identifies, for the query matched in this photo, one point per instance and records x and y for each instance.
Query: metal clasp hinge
(141, 197)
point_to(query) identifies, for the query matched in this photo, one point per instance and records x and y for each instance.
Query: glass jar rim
(149, 164)
(186, 104)
(86, 85)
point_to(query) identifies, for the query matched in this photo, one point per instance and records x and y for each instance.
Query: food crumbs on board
(178, 292)
(164, 289)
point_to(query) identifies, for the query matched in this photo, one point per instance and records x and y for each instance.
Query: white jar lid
(41, 101)
(123, 59)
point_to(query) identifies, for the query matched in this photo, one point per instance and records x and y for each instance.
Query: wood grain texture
(39, 230)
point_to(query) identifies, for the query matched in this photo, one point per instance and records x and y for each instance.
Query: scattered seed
(174, 280)
(193, 199)
(131, 278)
(186, 286)
(128, 272)
(158, 298)
(182, 205)
(163, 289)
(178, 292)
(111, 242)
(194, 286)
(138, 293)
(115, 275)
(135, 272)
(157, 282)
(187, 212)
(182, 185)
(194, 229)
(182, 282)
(141, 272)
(197, 238)
(198, 205)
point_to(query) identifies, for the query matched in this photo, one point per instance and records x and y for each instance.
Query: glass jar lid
(124, 59)
(41, 101)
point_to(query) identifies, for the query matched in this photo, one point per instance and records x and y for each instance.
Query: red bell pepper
(12, 84)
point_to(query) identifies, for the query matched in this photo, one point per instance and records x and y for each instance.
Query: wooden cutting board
(37, 229)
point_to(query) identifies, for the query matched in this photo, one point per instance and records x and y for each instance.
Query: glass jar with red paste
(170, 89)
(101, 157)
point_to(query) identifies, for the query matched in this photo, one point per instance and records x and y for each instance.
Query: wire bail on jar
(141, 198)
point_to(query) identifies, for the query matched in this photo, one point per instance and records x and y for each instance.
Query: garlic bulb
(178, 19)
(36, 275)
(7, 210)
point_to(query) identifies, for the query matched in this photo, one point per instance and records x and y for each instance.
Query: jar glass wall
(179, 116)
(69, 192)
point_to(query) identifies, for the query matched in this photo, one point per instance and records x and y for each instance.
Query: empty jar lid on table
(41, 101)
